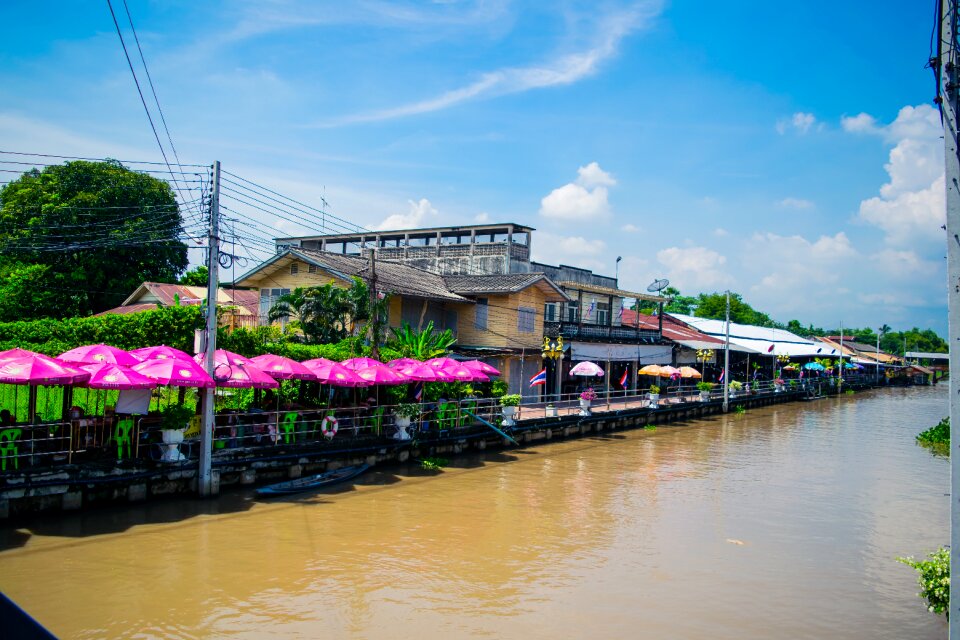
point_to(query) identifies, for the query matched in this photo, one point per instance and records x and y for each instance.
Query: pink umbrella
(16, 352)
(424, 373)
(586, 369)
(403, 362)
(243, 376)
(335, 374)
(317, 362)
(356, 364)
(39, 370)
(482, 367)
(443, 363)
(98, 354)
(464, 374)
(382, 375)
(162, 352)
(114, 376)
(282, 368)
(177, 373)
(224, 357)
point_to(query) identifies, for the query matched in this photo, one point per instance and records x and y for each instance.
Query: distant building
(239, 306)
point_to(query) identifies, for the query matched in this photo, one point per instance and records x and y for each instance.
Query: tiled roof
(392, 277)
(168, 295)
(503, 283)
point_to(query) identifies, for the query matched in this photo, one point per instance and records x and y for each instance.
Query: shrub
(407, 410)
(510, 400)
(937, 434)
(705, 386)
(654, 389)
(934, 580)
(735, 385)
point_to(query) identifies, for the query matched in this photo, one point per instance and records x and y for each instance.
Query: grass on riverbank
(937, 438)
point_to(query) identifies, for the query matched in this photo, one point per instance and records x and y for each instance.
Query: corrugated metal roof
(766, 340)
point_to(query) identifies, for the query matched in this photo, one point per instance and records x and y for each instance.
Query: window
(573, 311)
(603, 313)
(550, 312)
(526, 317)
(311, 268)
(268, 298)
(294, 268)
(482, 309)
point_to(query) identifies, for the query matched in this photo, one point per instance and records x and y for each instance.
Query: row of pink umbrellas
(104, 367)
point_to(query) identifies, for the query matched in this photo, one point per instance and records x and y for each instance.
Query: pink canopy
(443, 363)
(355, 364)
(178, 373)
(39, 370)
(382, 375)
(425, 373)
(282, 368)
(114, 376)
(403, 362)
(243, 376)
(464, 374)
(482, 367)
(317, 362)
(162, 352)
(335, 374)
(99, 354)
(223, 357)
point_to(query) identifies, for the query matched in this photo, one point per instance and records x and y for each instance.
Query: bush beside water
(934, 580)
(937, 438)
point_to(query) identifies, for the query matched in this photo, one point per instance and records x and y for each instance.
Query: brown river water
(783, 522)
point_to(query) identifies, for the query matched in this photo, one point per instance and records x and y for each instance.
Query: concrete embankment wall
(70, 488)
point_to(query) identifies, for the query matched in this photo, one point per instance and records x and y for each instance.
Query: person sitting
(6, 418)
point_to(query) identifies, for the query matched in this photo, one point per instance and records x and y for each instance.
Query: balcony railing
(593, 332)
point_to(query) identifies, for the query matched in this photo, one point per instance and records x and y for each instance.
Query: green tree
(196, 277)
(677, 303)
(714, 306)
(100, 230)
(421, 345)
(319, 313)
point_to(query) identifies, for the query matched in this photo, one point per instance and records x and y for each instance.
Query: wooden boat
(309, 483)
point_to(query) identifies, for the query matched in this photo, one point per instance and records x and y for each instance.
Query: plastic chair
(471, 406)
(289, 426)
(376, 420)
(9, 447)
(123, 436)
(447, 415)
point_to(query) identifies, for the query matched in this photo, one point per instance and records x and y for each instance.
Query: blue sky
(787, 152)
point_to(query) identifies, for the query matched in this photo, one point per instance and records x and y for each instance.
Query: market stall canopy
(106, 375)
(97, 354)
(37, 370)
(282, 368)
(175, 372)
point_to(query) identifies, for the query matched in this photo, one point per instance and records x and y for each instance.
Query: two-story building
(496, 318)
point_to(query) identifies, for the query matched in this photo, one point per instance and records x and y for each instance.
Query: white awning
(703, 344)
(600, 352)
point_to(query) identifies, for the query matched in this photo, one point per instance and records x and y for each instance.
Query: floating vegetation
(937, 438)
(649, 427)
(739, 409)
(433, 464)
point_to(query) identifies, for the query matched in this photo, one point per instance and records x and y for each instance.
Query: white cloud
(721, 232)
(860, 123)
(417, 215)
(565, 69)
(795, 203)
(800, 122)
(910, 207)
(576, 251)
(585, 197)
(630, 228)
(694, 268)
(482, 218)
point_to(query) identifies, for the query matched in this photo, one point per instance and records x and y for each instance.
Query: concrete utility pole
(947, 68)
(840, 380)
(205, 477)
(374, 348)
(726, 361)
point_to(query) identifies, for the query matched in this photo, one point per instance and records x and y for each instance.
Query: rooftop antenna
(656, 287)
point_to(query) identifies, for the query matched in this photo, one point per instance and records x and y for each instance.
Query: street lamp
(553, 350)
(704, 355)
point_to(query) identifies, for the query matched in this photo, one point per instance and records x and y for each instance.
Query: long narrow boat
(309, 483)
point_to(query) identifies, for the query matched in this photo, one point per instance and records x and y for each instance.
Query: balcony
(600, 333)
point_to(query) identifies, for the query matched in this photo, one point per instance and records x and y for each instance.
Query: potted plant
(778, 385)
(654, 396)
(735, 387)
(551, 411)
(586, 397)
(173, 422)
(705, 388)
(509, 404)
(402, 415)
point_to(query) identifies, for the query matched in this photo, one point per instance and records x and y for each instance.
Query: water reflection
(617, 536)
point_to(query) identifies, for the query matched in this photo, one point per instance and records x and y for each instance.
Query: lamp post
(553, 350)
(704, 355)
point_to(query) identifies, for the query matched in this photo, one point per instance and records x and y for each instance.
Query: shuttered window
(482, 309)
(526, 317)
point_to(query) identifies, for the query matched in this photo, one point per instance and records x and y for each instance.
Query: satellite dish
(658, 285)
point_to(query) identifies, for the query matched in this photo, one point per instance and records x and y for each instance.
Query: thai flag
(540, 378)
(620, 314)
(623, 378)
(418, 392)
(723, 372)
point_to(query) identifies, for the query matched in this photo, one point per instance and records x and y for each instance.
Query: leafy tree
(421, 345)
(197, 277)
(714, 306)
(100, 230)
(319, 313)
(18, 295)
(677, 303)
